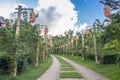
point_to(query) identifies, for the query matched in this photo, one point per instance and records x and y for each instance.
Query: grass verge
(33, 73)
(112, 71)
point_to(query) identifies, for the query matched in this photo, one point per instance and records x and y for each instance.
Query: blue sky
(59, 15)
(88, 10)
(30, 3)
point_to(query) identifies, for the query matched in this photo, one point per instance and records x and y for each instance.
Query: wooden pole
(14, 71)
(37, 48)
(95, 45)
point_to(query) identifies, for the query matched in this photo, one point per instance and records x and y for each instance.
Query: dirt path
(53, 72)
(85, 72)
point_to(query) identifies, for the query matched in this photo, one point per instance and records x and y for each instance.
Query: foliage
(27, 43)
(28, 74)
(5, 65)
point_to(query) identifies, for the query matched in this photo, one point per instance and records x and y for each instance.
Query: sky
(59, 15)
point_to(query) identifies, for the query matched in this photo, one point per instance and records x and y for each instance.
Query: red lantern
(45, 30)
(107, 11)
(32, 20)
(87, 32)
(32, 17)
(51, 44)
(77, 37)
(50, 37)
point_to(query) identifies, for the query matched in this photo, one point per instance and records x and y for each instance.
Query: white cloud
(82, 27)
(58, 15)
(8, 6)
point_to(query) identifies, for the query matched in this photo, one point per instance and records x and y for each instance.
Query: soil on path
(88, 74)
(53, 72)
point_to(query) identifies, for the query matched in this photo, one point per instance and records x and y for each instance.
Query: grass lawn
(112, 71)
(33, 73)
(67, 71)
(67, 68)
(70, 75)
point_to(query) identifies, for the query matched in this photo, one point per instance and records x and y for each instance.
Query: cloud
(58, 15)
(82, 27)
(8, 7)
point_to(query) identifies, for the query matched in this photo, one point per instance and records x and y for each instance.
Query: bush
(109, 59)
(90, 56)
(5, 64)
(22, 63)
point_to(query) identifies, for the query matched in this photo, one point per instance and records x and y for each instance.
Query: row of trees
(108, 45)
(31, 47)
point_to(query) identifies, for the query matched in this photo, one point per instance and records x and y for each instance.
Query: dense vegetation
(28, 43)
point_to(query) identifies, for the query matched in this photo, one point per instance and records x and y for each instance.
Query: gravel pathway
(53, 72)
(85, 72)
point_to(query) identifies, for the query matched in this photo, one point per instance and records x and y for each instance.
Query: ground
(54, 71)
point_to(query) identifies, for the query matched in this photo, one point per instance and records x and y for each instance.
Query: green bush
(90, 56)
(109, 59)
(22, 63)
(5, 64)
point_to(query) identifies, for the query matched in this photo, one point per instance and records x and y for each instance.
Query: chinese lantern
(107, 11)
(51, 44)
(77, 37)
(87, 32)
(50, 37)
(32, 17)
(45, 30)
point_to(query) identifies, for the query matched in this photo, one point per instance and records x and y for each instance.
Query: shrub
(5, 64)
(90, 56)
(109, 59)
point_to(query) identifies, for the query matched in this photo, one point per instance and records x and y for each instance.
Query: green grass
(67, 71)
(33, 73)
(67, 68)
(70, 75)
(112, 71)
